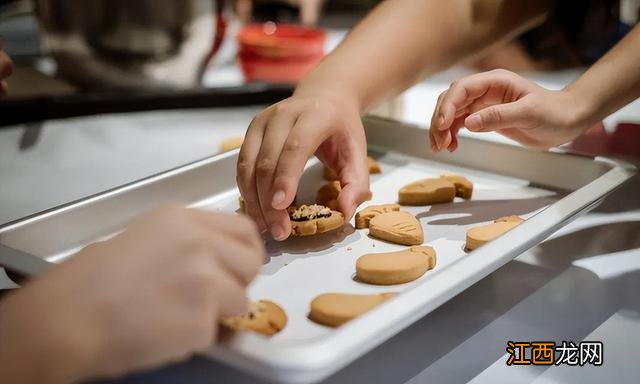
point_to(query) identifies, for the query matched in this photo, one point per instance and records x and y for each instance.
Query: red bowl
(279, 52)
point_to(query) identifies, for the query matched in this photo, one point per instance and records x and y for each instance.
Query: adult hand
(6, 67)
(511, 105)
(151, 295)
(278, 144)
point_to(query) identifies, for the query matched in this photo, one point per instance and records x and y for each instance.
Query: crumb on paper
(349, 248)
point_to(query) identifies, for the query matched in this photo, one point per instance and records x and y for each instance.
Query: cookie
(328, 195)
(309, 220)
(479, 236)
(264, 316)
(512, 218)
(397, 227)
(373, 165)
(335, 309)
(464, 187)
(364, 217)
(330, 175)
(395, 267)
(231, 143)
(427, 192)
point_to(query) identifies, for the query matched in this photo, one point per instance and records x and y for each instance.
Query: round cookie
(309, 220)
(364, 217)
(335, 309)
(427, 192)
(397, 227)
(479, 236)
(395, 267)
(264, 317)
(464, 187)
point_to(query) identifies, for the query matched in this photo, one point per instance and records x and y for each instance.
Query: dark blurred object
(127, 44)
(279, 12)
(577, 33)
(279, 52)
(21, 111)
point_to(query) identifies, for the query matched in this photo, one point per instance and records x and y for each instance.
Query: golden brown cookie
(479, 236)
(512, 218)
(330, 175)
(264, 316)
(397, 227)
(373, 165)
(464, 187)
(335, 309)
(427, 192)
(364, 217)
(328, 195)
(309, 220)
(395, 267)
(231, 143)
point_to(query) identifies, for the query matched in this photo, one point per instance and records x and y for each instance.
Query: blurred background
(105, 92)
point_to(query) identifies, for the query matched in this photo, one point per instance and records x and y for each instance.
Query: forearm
(402, 41)
(611, 83)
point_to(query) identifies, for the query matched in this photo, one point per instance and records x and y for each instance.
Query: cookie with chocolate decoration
(313, 219)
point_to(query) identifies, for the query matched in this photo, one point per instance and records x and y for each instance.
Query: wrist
(315, 85)
(582, 106)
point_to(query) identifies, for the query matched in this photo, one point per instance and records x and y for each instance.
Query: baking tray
(548, 188)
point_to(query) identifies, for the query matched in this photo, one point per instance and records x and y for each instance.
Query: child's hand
(504, 102)
(151, 295)
(278, 144)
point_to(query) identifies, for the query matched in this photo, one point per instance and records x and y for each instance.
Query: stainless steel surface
(22, 263)
(189, 184)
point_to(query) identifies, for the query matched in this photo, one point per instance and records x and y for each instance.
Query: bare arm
(612, 82)
(400, 42)
(403, 41)
(523, 111)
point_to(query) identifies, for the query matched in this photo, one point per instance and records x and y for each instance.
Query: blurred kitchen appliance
(131, 44)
